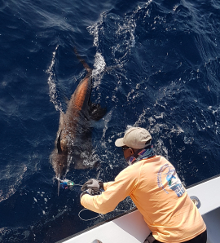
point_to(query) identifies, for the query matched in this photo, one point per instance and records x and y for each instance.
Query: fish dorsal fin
(66, 100)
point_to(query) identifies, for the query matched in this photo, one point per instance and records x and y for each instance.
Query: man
(152, 183)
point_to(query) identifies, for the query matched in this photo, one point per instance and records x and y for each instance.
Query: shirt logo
(172, 179)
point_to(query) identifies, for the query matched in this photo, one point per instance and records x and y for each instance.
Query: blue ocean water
(163, 62)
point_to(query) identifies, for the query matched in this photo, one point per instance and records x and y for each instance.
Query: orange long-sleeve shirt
(159, 195)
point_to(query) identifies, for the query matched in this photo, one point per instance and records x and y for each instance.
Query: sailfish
(73, 140)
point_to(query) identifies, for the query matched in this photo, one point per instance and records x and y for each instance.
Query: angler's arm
(106, 185)
(115, 192)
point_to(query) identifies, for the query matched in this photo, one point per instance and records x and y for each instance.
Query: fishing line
(69, 184)
(99, 215)
(84, 209)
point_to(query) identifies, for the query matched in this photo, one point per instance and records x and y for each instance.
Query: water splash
(95, 29)
(52, 85)
(99, 67)
(11, 181)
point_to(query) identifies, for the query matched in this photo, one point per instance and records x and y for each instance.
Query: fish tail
(85, 65)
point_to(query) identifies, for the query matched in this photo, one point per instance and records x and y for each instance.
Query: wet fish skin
(74, 134)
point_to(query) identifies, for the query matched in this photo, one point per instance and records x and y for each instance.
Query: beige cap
(135, 137)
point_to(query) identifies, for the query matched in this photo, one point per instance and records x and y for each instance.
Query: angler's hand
(94, 184)
(91, 192)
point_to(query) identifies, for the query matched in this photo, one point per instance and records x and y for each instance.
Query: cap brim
(119, 142)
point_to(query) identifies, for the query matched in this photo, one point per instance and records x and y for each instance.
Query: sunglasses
(124, 148)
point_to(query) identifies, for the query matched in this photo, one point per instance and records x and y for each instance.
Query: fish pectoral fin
(61, 122)
(59, 143)
(96, 112)
(66, 99)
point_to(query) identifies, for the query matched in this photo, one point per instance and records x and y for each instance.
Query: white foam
(99, 67)
(12, 182)
(99, 63)
(94, 29)
(141, 120)
(52, 85)
(107, 119)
